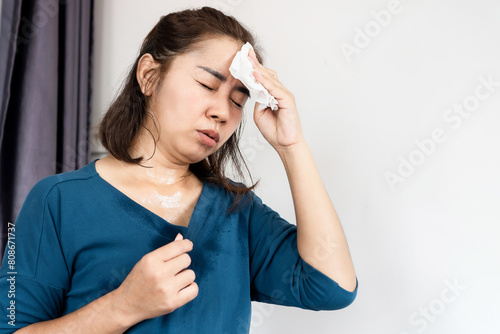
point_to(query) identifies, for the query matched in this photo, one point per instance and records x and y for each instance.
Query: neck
(157, 167)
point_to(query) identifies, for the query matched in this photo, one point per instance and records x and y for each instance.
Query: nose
(219, 111)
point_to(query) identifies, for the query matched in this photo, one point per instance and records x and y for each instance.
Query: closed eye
(209, 88)
(237, 105)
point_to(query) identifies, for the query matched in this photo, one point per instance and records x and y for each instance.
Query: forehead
(216, 51)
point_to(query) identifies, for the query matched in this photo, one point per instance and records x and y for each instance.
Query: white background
(439, 224)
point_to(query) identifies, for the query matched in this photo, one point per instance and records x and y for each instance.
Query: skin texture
(192, 99)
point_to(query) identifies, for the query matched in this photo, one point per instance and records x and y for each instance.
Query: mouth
(209, 137)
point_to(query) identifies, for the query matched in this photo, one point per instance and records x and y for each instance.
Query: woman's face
(199, 104)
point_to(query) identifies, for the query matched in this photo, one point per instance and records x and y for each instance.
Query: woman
(153, 237)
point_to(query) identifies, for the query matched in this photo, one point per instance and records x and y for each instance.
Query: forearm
(100, 316)
(320, 238)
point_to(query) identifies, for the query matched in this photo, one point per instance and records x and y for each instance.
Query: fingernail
(178, 237)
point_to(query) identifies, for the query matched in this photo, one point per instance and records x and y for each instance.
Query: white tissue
(241, 68)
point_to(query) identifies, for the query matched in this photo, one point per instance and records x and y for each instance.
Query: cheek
(177, 101)
(231, 127)
(235, 120)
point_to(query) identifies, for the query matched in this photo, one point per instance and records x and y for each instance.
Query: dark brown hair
(176, 34)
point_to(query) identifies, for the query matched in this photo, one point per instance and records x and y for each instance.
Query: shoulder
(246, 202)
(50, 194)
(43, 188)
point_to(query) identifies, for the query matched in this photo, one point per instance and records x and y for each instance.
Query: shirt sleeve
(34, 276)
(277, 272)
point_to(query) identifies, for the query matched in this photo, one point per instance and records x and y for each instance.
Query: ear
(145, 69)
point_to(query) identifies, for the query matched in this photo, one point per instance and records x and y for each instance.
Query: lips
(209, 137)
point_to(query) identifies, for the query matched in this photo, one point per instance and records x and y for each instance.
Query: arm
(160, 277)
(278, 274)
(101, 316)
(43, 280)
(320, 237)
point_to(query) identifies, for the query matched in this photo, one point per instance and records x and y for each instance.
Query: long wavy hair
(176, 34)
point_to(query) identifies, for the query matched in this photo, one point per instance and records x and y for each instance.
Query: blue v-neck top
(77, 238)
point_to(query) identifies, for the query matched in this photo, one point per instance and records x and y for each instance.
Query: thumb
(179, 236)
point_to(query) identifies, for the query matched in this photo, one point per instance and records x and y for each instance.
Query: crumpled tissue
(241, 68)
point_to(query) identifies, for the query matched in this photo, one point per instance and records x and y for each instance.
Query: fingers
(188, 293)
(172, 249)
(272, 73)
(188, 287)
(253, 56)
(177, 264)
(268, 78)
(274, 87)
(268, 81)
(258, 66)
(184, 278)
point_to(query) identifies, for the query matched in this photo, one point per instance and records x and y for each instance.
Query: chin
(195, 158)
(197, 154)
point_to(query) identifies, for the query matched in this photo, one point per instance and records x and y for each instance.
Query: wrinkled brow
(223, 78)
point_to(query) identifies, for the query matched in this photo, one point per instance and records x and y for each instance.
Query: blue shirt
(77, 237)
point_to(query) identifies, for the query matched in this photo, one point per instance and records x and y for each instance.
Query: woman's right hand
(158, 284)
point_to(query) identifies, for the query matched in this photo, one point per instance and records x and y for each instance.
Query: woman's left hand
(315, 226)
(281, 128)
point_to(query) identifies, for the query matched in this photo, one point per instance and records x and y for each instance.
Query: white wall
(439, 225)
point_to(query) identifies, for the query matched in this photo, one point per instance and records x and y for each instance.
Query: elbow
(351, 285)
(341, 298)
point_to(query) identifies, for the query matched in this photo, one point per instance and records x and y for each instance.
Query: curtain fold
(45, 95)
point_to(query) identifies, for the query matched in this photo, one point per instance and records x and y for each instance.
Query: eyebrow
(223, 78)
